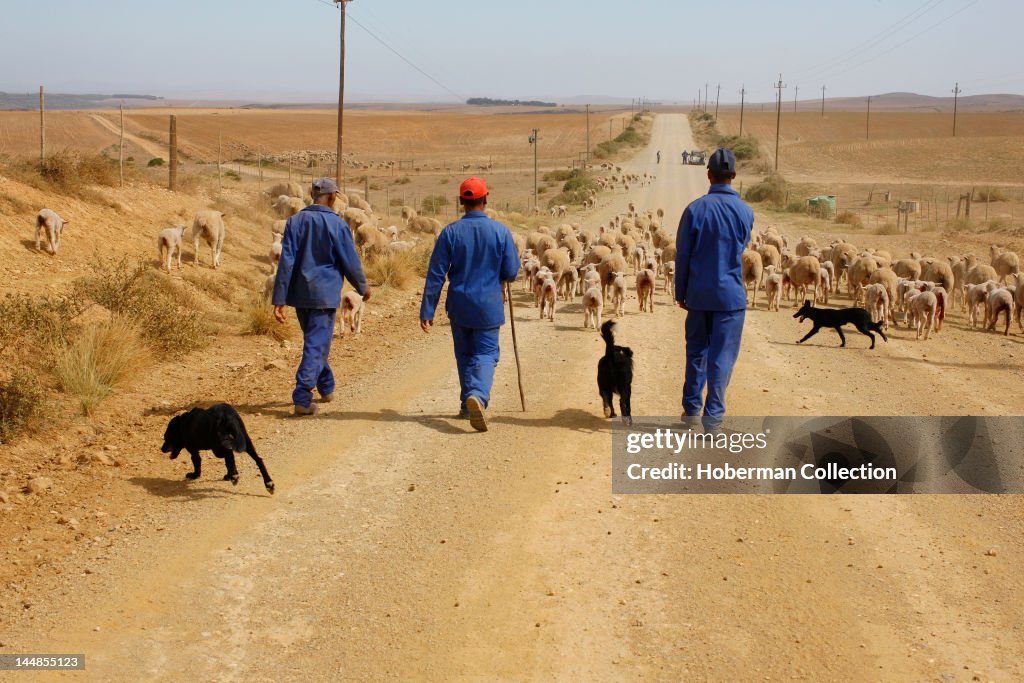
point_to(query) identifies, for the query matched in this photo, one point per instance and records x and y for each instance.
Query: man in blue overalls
(712, 235)
(477, 256)
(316, 253)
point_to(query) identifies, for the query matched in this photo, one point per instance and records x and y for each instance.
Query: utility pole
(533, 141)
(172, 178)
(120, 153)
(868, 128)
(743, 97)
(341, 91)
(822, 101)
(796, 93)
(587, 162)
(42, 128)
(632, 102)
(706, 96)
(956, 97)
(718, 95)
(780, 86)
(220, 145)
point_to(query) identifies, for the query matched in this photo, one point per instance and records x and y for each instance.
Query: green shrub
(558, 176)
(743, 148)
(157, 161)
(796, 206)
(771, 190)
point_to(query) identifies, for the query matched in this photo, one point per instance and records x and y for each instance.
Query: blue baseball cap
(322, 186)
(722, 162)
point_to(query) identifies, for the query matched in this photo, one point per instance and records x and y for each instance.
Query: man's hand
(279, 314)
(425, 325)
(682, 305)
(368, 295)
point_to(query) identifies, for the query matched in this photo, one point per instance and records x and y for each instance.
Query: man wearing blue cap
(317, 252)
(476, 255)
(710, 241)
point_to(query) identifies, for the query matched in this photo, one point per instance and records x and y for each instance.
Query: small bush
(404, 180)
(104, 356)
(558, 176)
(260, 321)
(888, 228)
(69, 170)
(395, 270)
(233, 175)
(848, 218)
(959, 225)
(21, 399)
(434, 203)
(157, 161)
(796, 206)
(35, 325)
(772, 190)
(743, 148)
(998, 224)
(990, 194)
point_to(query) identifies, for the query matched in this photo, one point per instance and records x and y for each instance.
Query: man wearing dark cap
(477, 256)
(317, 253)
(712, 235)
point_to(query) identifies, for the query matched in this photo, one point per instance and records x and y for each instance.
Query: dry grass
(260, 321)
(101, 359)
(396, 270)
(68, 173)
(21, 399)
(848, 218)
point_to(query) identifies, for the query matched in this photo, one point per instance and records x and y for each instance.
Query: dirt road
(401, 546)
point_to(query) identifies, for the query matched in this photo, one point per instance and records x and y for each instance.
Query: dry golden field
(911, 147)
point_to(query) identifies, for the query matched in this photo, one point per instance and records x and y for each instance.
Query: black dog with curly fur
(219, 429)
(615, 374)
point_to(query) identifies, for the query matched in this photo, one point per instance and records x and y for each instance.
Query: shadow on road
(188, 490)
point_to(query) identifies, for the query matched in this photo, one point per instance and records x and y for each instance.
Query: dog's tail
(608, 334)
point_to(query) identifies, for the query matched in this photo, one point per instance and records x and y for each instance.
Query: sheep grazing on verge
(352, 306)
(976, 297)
(593, 307)
(773, 288)
(167, 242)
(285, 207)
(408, 213)
(48, 222)
(208, 225)
(669, 269)
(370, 240)
(876, 298)
(275, 251)
(568, 281)
(753, 269)
(548, 296)
(618, 293)
(646, 281)
(401, 246)
(290, 189)
(999, 301)
(359, 203)
(922, 312)
(1005, 262)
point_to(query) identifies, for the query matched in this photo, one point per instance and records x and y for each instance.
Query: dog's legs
(251, 450)
(814, 331)
(229, 461)
(197, 465)
(606, 399)
(842, 337)
(624, 406)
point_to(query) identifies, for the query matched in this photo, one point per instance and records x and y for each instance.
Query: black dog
(218, 429)
(615, 374)
(823, 317)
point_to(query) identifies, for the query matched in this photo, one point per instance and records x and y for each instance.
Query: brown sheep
(208, 225)
(940, 273)
(843, 256)
(611, 264)
(646, 281)
(770, 256)
(597, 254)
(805, 272)
(804, 247)
(1005, 262)
(908, 268)
(556, 260)
(858, 275)
(753, 269)
(978, 274)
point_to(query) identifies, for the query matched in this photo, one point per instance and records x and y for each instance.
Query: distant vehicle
(696, 157)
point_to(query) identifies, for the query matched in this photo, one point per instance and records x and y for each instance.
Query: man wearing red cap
(476, 255)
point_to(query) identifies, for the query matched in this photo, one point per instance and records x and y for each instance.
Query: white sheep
(646, 281)
(618, 293)
(268, 287)
(876, 298)
(209, 225)
(593, 307)
(286, 206)
(669, 268)
(352, 306)
(167, 242)
(568, 281)
(275, 251)
(773, 288)
(548, 296)
(922, 307)
(52, 224)
(976, 296)
(999, 301)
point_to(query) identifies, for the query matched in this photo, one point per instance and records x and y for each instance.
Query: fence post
(172, 179)
(42, 129)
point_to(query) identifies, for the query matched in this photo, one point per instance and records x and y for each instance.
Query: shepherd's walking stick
(515, 343)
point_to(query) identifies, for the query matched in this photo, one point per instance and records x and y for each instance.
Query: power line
(397, 53)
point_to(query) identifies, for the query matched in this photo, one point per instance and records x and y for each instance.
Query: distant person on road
(686, 157)
(659, 156)
(317, 252)
(477, 256)
(712, 234)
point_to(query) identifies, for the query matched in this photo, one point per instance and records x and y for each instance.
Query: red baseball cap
(473, 188)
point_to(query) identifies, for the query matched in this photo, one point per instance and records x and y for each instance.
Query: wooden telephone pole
(796, 93)
(536, 196)
(42, 128)
(339, 170)
(780, 86)
(743, 97)
(172, 176)
(956, 97)
(868, 126)
(822, 101)
(718, 94)
(120, 152)
(587, 162)
(706, 84)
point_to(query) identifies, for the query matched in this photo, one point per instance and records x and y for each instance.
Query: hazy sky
(663, 50)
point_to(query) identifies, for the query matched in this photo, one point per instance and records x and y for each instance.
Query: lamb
(268, 288)
(669, 269)
(1018, 305)
(52, 224)
(167, 242)
(285, 207)
(398, 246)
(370, 240)
(209, 225)
(548, 295)
(752, 272)
(618, 291)
(976, 295)
(773, 288)
(646, 281)
(275, 252)
(352, 306)
(1005, 262)
(876, 298)
(568, 281)
(593, 306)
(826, 285)
(890, 281)
(538, 283)
(999, 301)
(922, 311)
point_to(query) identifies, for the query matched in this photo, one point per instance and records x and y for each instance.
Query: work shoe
(311, 409)
(463, 415)
(327, 398)
(477, 417)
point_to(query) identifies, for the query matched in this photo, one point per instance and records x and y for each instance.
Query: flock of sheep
(918, 288)
(570, 261)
